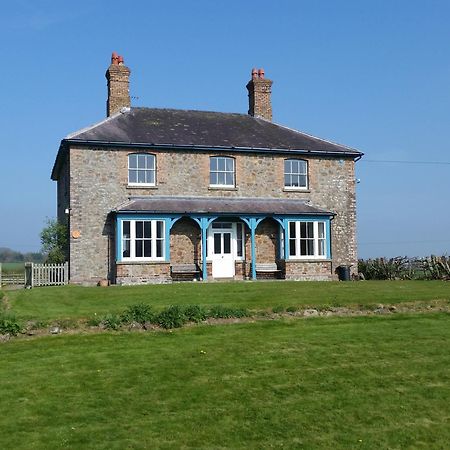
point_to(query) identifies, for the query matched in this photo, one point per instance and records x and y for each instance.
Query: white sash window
(143, 240)
(307, 240)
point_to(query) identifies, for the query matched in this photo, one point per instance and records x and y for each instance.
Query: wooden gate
(11, 278)
(46, 274)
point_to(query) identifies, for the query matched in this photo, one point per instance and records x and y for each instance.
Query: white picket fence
(46, 274)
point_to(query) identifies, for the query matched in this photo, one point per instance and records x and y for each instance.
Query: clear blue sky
(374, 75)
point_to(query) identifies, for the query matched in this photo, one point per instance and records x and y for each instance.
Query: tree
(54, 240)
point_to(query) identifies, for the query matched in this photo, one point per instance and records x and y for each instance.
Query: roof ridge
(190, 110)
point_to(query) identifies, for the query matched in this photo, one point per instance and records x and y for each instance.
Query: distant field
(325, 383)
(13, 267)
(77, 302)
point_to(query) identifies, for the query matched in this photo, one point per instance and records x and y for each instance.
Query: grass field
(13, 267)
(81, 302)
(341, 383)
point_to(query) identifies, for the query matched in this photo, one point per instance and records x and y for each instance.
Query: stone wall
(98, 184)
(310, 270)
(266, 242)
(143, 273)
(185, 242)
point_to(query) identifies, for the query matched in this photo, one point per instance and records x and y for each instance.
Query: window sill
(222, 188)
(307, 191)
(308, 260)
(141, 186)
(123, 263)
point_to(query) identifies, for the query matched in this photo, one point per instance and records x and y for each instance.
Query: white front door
(222, 254)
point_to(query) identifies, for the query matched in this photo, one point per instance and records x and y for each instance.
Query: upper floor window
(141, 169)
(295, 174)
(221, 171)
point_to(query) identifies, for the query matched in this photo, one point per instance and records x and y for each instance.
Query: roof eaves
(58, 162)
(192, 147)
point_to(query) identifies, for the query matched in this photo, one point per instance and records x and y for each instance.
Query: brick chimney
(259, 90)
(118, 76)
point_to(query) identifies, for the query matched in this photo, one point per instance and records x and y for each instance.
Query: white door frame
(223, 262)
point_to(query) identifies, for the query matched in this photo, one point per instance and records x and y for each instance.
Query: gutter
(222, 214)
(116, 144)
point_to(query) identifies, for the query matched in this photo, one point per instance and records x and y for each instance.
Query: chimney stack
(259, 90)
(118, 76)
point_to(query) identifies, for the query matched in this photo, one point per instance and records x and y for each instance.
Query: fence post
(28, 274)
(66, 272)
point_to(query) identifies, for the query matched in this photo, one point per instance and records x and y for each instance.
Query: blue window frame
(141, 239)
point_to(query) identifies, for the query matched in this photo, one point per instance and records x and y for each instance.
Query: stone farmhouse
(153, 195)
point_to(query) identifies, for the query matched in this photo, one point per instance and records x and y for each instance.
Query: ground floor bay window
(307, 239)
(142, 240)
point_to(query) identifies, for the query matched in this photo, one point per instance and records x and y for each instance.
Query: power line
(404, 242)
(398, 161)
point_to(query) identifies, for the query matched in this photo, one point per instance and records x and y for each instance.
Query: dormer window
(295, 174)
(221, 171)
(141, 169)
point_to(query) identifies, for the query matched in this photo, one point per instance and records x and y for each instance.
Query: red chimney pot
(114, 58)
(261, 73)
(120, 59)
(254, 74)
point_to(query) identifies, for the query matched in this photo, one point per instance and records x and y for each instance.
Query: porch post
(253, 246)
(252, 223)
(204, 227)
(204, 223)
(286, 239)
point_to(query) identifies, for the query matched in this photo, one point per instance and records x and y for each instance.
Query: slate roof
(219, 205)
(202, 128)
(189, 130)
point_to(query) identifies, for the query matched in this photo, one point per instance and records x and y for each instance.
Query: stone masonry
(98, 184)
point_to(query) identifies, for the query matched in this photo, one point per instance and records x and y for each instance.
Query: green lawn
(13, 267)
(341, 383)
(81, 302)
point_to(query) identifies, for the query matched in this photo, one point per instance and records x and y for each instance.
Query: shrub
(171, 317)
(224, 312)
(55, 242)
(278, 309)
(9, 325)
(37, 324)
(291, 309)
(140, 313)
(67, 324)
(111, 321)
(386, 269)
(94, 321)
(436, 267)
(195, 313)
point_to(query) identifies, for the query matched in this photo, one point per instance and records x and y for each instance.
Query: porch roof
(220, 205)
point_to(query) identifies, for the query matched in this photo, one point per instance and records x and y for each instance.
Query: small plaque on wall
(76, 234)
